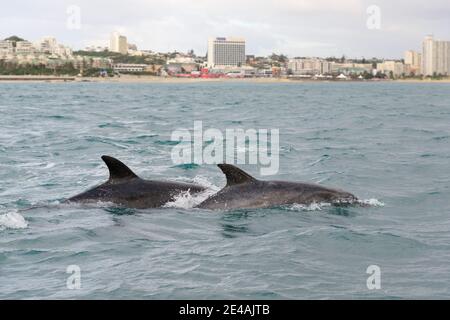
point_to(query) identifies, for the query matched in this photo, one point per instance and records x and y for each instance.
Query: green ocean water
(388, 143)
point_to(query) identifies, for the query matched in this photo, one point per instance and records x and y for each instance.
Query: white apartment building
(118, 43)
(46, 45)
(397, 68)
(25, 48)
(6, 47)
(348, 68)
(310, 66)
(413, 61)
(435, 57)
(61, 50)
(129, 67)
(46, 51)
(226, 52)
(49, 45)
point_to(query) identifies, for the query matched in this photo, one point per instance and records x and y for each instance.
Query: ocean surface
(388, 143)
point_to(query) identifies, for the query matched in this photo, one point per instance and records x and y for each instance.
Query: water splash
(319, 206)
(12, 220)
(371, 202)
(311, 207)
(186, 200)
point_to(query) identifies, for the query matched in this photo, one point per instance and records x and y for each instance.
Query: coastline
(155, 79)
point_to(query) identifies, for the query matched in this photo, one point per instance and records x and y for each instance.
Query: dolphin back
(244, 191)
(125, 188)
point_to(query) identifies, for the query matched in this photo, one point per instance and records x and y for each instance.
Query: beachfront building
(49, 53)
(62, 51)
(130, 67)
(118, 43)
(413, 62)
(181, 64)
(48, 45)
(309, 66)
(435, 57)
(100, 63)
(224, 52)
(22, 51)
(6, 47)
(351, 68)
(391, 67)
(25, 48)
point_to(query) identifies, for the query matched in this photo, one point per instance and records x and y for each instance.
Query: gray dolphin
(244, 191)
(125, 188)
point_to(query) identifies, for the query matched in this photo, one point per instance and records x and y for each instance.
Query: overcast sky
(293, 27)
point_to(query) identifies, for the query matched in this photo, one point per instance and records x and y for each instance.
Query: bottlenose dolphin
(125, 188)
(244, 191)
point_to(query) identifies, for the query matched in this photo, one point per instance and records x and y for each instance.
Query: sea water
(388, 143)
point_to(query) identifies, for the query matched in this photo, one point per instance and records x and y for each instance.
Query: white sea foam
(50, 165)
(88, 204)
(315, 206)
(371, 202)
(12, 220)
(311, 207)
(186, 200)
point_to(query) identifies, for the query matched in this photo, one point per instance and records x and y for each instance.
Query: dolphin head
(309, 193)
(342, 197)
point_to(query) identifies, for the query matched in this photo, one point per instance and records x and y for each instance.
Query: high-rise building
(226, 52)
(413, 61)
(118, 43)
(435, 57)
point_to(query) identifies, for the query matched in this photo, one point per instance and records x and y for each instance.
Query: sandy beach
(447, 80)
(154, 79)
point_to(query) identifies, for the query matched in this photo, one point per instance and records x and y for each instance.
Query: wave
(319, 206)
(310, 207)
(12, 220)
(187, 166)
(371, 202)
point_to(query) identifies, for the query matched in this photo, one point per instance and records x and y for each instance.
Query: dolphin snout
(344, 197)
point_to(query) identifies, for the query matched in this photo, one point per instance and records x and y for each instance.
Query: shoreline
(155, 79)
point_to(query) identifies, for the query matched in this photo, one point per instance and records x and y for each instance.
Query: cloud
(293, 27)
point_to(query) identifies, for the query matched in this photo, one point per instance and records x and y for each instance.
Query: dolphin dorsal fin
(117, 170)
(235, 175)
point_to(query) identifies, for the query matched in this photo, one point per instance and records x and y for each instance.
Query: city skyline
(226, 57)
(109, 46)
(294, 28)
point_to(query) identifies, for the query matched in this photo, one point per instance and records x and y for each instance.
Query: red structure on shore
(203, 73)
